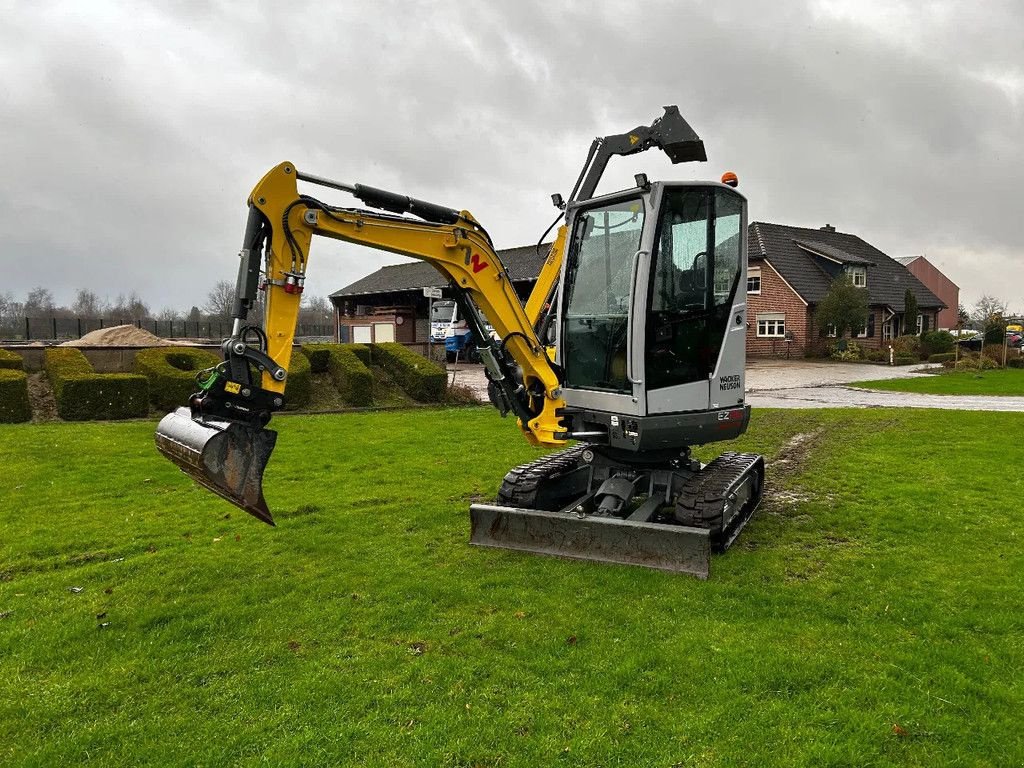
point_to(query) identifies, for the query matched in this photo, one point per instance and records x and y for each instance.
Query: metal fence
(65, 328)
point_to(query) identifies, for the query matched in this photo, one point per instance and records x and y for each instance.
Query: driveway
(813, 384)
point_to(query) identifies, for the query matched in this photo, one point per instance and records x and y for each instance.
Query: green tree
(845, 306)
(910, 313)
(963, 317)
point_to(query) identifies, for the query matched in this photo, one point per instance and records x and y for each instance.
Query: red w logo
(477, 263)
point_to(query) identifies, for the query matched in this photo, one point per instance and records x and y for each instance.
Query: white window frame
(859, 276)
(830, 331)
(754, 274)
(771, 325)
(920, 323)
(863, 332)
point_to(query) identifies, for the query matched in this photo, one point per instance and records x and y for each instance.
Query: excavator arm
(221, 440)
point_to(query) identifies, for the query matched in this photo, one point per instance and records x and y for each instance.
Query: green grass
(872, 614)
(1006, 381)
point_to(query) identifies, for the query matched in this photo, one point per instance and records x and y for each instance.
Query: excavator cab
(653, 320)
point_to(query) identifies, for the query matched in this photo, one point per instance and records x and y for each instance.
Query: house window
(830, 331)
(771, 325)
(867, 331)
(859, 276)
(920, 324)
(754, 280)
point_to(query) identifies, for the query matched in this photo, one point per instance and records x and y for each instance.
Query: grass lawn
(1007, 381)
(871, 614)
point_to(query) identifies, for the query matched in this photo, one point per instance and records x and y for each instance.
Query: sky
(131, 133)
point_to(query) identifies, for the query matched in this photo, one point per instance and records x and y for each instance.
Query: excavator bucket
(225, 457)
(676, 548)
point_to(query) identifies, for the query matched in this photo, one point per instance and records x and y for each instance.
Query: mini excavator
(629, 351)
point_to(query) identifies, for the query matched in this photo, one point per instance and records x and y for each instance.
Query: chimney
(828, 228)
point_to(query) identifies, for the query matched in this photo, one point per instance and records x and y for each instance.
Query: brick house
(936, 282)
(790, 269)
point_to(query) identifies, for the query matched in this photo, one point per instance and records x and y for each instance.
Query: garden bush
(422, 379)
(936, 343)
(876, 355)
(976, 363)
(14, 405)
(82, 394)
(905, 360)
(907, 346)
(11, 361)
(349, 374)
(171, 373)
(851, 352)
(1015, 362)
(943, 357)
(299, 385)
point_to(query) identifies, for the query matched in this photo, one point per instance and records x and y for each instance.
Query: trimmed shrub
(943, 357)
(318, 355)
(936, 342)
(82, 394)
(171, 372)
(362, 351)
(907, 346)
(299, 384)
(349, 373)
(14, 405)
(905, 360)
(1015, 362)
(11, 361)
(422, 379)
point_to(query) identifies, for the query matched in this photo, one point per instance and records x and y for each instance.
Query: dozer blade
(676, 548)
(225, 457)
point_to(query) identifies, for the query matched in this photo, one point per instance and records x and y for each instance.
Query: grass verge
(871, 614)
(1006, 381)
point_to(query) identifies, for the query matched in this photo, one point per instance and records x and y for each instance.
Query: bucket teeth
(225, 457)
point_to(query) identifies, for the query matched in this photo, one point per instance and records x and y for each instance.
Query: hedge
(299, 384)
(171, 372)
(944, 357)
(349, 373)
(422, 379)
(83, 394)
(1015, 362)
(362, 351)
(11, 361)
(905, 360)
(14, 405)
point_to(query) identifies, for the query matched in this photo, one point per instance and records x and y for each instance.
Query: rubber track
(702, 499)
(520, 486)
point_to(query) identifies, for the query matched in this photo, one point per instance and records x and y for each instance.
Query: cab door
(694, 338)
(597, 296)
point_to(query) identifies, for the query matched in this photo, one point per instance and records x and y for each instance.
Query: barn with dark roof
(394, 295)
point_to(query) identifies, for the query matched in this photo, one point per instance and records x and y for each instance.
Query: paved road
(812, 384)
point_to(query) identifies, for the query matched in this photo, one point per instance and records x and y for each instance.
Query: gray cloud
(132, 134)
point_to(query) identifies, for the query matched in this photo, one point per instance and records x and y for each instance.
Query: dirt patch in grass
(40, 397)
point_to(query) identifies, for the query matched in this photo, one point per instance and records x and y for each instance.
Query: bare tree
(87, 303)
(315, 310)
(168, 314)
(985, 308)
(128, 310)
(220, 300)
(39, 302)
